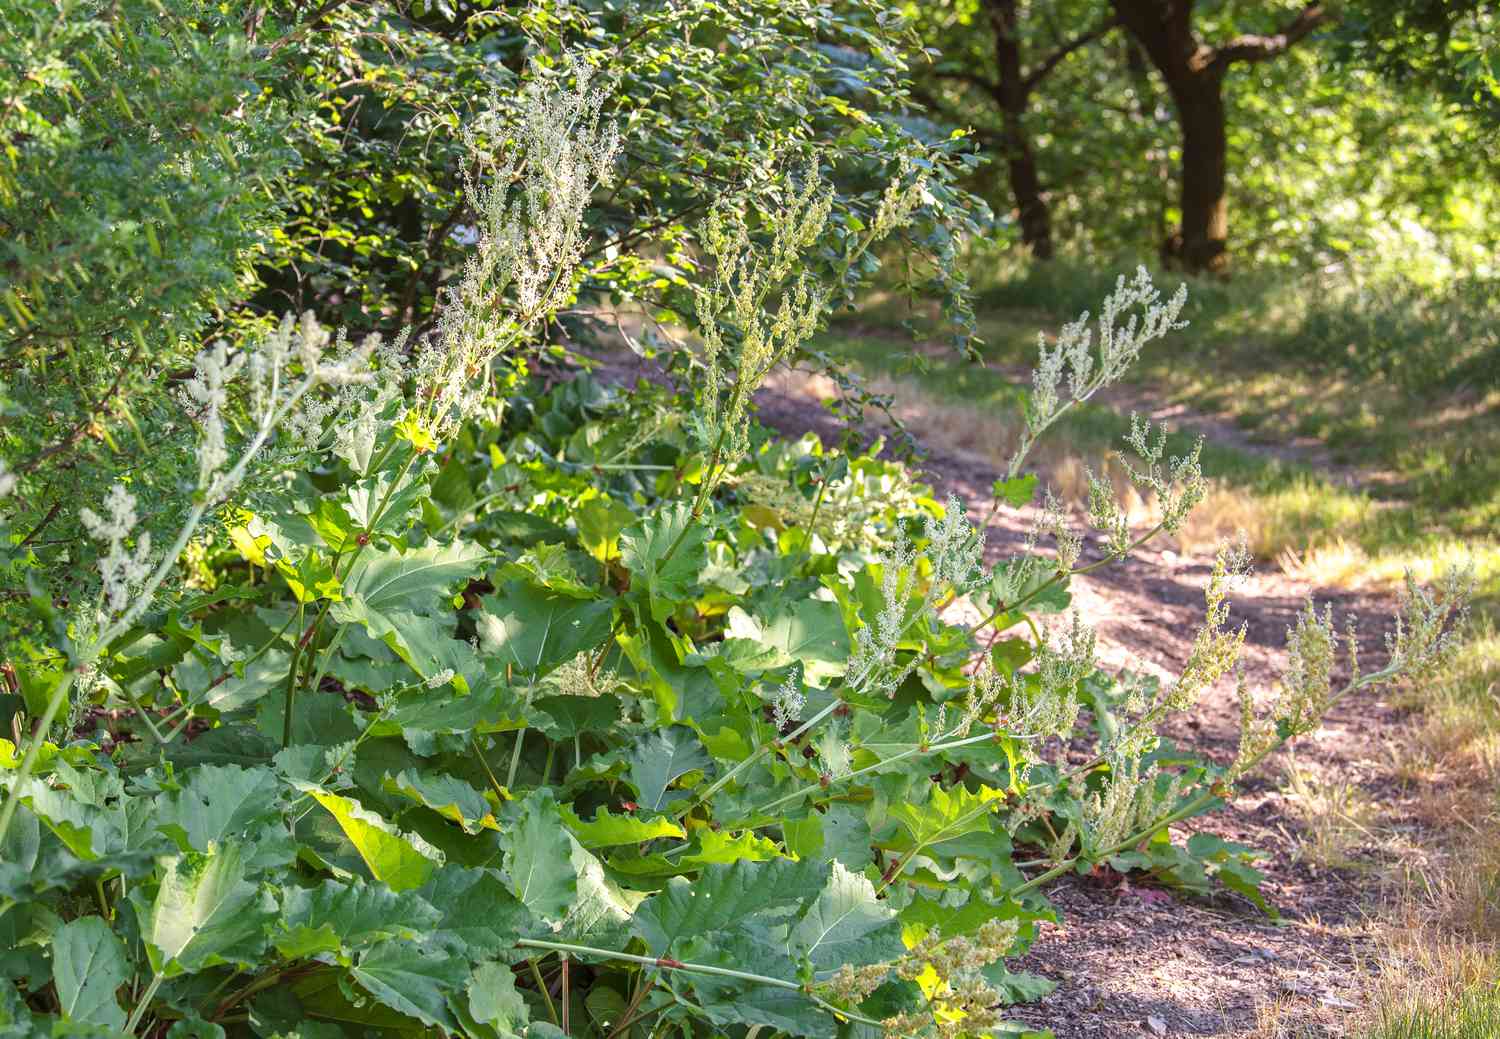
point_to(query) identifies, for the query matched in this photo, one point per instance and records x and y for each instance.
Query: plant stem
(515, 757)
(696, 968)
(143, 1004)
(755, 756)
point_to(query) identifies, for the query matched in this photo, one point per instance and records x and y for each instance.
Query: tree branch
(1054, 59)
(973, 79)
(1250, 48)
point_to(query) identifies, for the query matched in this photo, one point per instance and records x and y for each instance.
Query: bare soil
(1135, 961)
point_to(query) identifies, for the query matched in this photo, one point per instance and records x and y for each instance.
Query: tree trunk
(1011, 96)
(1203, 239)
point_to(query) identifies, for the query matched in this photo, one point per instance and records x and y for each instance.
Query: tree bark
(1011, 93)
(1202, 241)
(1194, 75)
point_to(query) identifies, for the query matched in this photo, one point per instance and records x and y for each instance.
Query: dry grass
(1337, 818)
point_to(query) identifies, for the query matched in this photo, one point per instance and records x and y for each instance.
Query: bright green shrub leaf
(573, 715)
(494, 1001)
(88, 831)
(948, 813)
(811, 632)
(205, 913)
(534, 630)
(546, 566)
(732, 1001)
(662, 758)
(605, 830)
(722, 847)
(538, 858)
(600, 519)
(1017, 492)
(425, 714)
(451, 797)
(88, 965)
(411, 979)
(666, 580)
(339, 915)
(847, 924)
(600, 915)
(404, 861)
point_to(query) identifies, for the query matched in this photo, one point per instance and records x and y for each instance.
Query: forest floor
(1131, 959)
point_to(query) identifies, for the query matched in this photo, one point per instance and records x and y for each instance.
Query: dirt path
(1132, 961)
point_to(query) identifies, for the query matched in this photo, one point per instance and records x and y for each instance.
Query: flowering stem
(143, 599)
(1031, 596)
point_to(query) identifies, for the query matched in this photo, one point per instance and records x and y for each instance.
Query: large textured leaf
(220, 803)
(811, 632)
(338, 916)
(206, 913)
(411, 979)
(386, 583)
(404, 861)
(948, 813)
(88, 965)
(731, 1001)
(662, 758)
(534, 630)
(494, 1001)
(479, 912)
(89, 831)
(723, 897)
(447, 795)
(847, 924)
(667, 579)
(600, 914)
(539, 858)
(605, 830)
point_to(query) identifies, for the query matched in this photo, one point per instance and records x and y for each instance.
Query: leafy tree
(999, 69)
(1450, 45)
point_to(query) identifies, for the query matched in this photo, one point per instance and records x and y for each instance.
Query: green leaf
(534, 630)
(404, 861)
(948, 813)
(494, 1001)
(479, 912)
(811, 632)
(223, 803)
(723, 897)
(411, 979)
(667, 580)
(538, 858)
(1017, 492)
(599, 520)
(847, 924)
(662, 758)
(384, 582)
(721, 846)
(340, 916)
(206, 913)
(606, 830)
(88, 965)
(447, 795)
